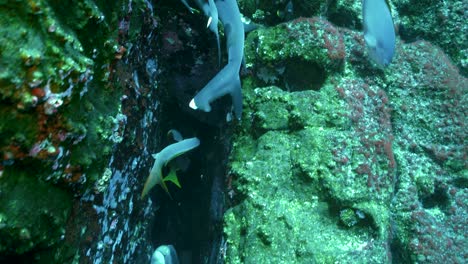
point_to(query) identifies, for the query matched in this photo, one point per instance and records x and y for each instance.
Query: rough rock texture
(52, 64)
(440, 22)
(353, 164)
(430, 116)
(82, 110)
(443, 23)
(334, 160)
(59, 116)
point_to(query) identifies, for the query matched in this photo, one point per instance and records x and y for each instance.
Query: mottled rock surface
(59, 117)
(355, 164)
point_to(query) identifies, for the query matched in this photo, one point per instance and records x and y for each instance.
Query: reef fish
(162, 159)
(379, 32)
(165, 254)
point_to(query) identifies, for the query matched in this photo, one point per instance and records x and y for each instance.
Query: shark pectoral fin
(172, 177)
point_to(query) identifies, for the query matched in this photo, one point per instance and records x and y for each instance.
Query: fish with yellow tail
(162, 159)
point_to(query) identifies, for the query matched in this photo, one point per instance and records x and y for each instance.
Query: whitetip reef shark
(163, 157)
(227, 81)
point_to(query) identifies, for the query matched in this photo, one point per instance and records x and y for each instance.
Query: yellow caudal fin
(172, 177)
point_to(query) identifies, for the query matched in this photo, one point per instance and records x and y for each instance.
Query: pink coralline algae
(327, 36)
(428, 98)
(439, 236)
(370, 114)
(321, 34)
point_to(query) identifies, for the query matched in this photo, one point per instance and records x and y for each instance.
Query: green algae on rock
(443, 23)
(298, 54)
(287, 185)
(33, 214)
(59, 114)
(46, 81)
(368, 161)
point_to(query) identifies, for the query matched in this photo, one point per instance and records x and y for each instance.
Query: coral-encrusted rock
(428, 96)
(52, 66)
(57, 115)
(32, 214)
(298, 54)
(369, 166)
(443, 23)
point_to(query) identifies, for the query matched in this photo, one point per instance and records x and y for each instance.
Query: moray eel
(162, 159)
(379, 32)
